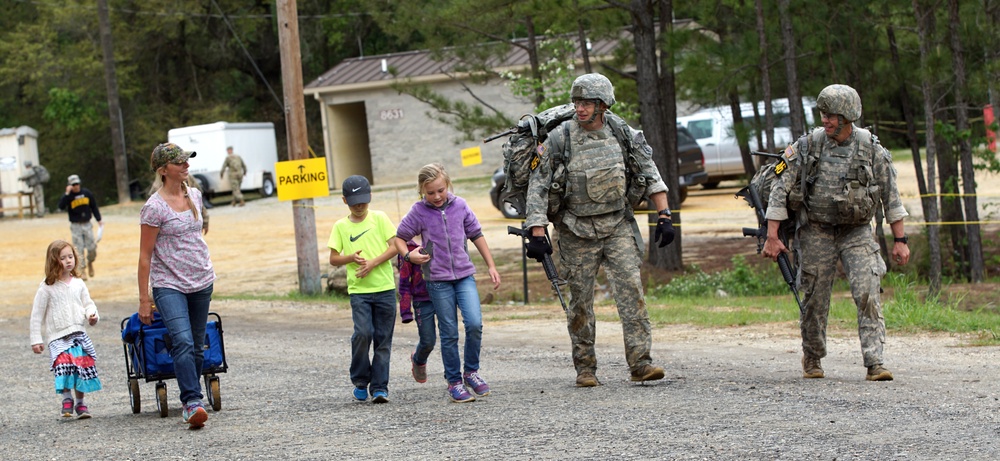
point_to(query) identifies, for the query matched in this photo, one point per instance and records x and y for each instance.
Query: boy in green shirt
(362, 241)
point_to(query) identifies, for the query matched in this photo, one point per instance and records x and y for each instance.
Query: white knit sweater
(63, 308)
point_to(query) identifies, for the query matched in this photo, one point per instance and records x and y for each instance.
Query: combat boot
(878, 373)
(811, 367)
(647, 373)
(242, 202)
(90, 268)
(587, 379)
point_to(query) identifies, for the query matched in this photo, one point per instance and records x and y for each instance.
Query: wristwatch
(904, 240)
(665, 211)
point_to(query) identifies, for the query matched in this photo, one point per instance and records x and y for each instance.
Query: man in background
(35, 176)
(237, 169)
(81, 205)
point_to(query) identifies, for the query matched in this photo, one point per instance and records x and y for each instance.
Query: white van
(713, 128)
(253, 142)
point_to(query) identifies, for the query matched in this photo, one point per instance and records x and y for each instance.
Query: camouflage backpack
(43, 174)
(521, 155)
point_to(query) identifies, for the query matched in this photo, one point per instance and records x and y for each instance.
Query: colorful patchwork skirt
(73, 363)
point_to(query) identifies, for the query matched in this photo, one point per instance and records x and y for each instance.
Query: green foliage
(66, 109)
(741, 280)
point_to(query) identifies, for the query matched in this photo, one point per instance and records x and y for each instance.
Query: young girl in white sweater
(63, 306)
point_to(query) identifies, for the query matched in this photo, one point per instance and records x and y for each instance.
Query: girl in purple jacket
(444, 223)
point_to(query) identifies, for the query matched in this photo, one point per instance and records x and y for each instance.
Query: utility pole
(306, 249)
(114, 108)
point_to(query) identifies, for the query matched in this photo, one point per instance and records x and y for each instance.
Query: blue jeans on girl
(185, 316)
(424, 315)
(449, 298)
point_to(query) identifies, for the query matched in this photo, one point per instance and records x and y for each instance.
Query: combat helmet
(841, 100)
(593, 86)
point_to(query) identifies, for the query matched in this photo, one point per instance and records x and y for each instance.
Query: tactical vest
(595, 173)
(840, 182)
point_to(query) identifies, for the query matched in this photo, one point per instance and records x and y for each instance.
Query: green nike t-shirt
(371, 236)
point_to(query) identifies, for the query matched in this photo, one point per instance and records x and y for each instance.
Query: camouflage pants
(580, 260)
(83, 240)
(857, 250)
(234, 185)
(38, 195)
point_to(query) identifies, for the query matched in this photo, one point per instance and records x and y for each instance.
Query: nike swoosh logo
(356, 237)
(355, 189)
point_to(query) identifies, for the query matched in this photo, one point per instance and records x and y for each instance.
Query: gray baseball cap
(72, 180)
(357, 190)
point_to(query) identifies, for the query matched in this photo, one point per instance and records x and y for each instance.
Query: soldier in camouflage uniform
(594, 221)
(237, 169)
(836, 178)
(32, 177)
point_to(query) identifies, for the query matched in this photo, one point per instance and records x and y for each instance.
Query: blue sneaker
(476, 383)
(458, 393)
(361, 394)
(380, 397)
(195, 415)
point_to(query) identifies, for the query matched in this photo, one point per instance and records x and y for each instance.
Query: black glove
(664, 232)
(538, 247)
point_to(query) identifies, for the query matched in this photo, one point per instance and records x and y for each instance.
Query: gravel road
(732, 393)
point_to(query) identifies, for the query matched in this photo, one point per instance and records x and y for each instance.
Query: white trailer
(254, 142)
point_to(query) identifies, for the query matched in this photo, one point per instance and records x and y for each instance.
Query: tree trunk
(741, 132)
(651, 114)
(795, 109)
(114, 107)
(581, 33)
(933, 242)
(951, 207)
(965, 150)
(668, 99)
(536, 72)
(765, 79)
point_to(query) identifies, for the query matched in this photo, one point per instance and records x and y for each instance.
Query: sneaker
(476, 383)
(878, 373)
(361, 394)
(81, 411)
(458, 393)
(587, 379)
(380, 397)
(67, 408)
(419, 371)
(195, 415)
(811, 368)
(647, 373)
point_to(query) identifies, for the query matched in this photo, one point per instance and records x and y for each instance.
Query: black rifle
(547, 264)
(760, 232)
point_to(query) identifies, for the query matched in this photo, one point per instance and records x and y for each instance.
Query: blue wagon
(147, 357)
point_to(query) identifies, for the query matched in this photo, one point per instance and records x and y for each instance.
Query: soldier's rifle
(749, 194)
(547, 264)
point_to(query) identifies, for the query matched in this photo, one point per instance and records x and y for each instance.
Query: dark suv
(690, 172)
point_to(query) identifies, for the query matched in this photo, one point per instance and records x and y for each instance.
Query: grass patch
(747, 296)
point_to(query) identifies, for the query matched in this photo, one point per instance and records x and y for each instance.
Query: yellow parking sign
(472, 156)
(299, 179)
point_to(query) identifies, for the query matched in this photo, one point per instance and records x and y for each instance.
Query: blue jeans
(185, 316)
(448, 298)
(374, 316)
(424, 315)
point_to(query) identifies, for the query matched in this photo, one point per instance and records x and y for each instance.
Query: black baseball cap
(357, 190)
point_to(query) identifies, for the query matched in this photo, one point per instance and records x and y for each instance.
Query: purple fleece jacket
(443, 233)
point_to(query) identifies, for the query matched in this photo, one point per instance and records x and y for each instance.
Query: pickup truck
(713, 128)
(690, 172)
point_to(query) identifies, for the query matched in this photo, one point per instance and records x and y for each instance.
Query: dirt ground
(253, 248)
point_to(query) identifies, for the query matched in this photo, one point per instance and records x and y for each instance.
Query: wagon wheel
(212, 389)
(161, 399)
(133, 393)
